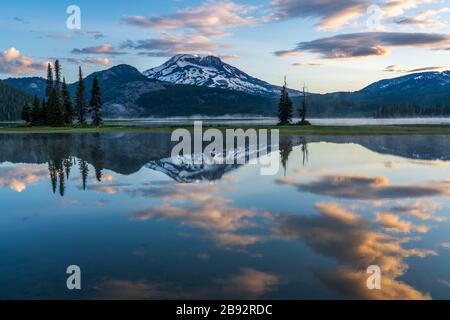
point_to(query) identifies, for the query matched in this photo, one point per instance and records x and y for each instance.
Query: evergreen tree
(67, 104)
(84, 170)
(97, 157)
(80, 100)
(57, 83)
(285, 150)
(26, 113)
(49, 87)
(96, 103)
(62, 184)
(68, 166)
(55, 115)
(53, 174)
(303, 109)
(43, 118)
(285, 106)
(36, 112)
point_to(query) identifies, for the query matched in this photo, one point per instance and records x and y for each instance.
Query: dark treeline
(411, 110)
(57, 109)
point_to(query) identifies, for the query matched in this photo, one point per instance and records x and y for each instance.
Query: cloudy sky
(329, 45)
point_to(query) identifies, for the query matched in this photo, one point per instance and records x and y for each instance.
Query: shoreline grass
(292, 129)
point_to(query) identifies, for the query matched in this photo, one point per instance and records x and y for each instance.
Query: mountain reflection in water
(144, 226)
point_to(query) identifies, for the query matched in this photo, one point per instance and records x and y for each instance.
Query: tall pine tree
(81, 100)
(44, 113)
(285, 106)
(49, 87)
(57, 84)
(36, 112)
(26, 113)
(84, 170)
(96, 103)
(55, 115)
(67, 104)
(303, 109)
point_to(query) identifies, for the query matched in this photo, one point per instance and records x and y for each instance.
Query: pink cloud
(12, 62)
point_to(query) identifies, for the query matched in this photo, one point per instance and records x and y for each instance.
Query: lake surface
(157, 122)
(143, 226)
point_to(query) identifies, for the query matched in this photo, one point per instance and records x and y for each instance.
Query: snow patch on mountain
(199, 167)
(415, 80)
(211, 72)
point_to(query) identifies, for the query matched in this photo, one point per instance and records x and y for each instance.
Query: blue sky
(329, 45)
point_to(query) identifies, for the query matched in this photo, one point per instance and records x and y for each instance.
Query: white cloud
(12, 62)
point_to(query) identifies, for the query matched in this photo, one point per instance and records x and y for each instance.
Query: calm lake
(245, 121)
(143, 226)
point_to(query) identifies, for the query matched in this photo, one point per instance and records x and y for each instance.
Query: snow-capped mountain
(199, 167)
(211, 72)
(424, 81)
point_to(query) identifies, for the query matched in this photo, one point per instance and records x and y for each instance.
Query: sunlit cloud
(306, 64)
(110, 189)
(17, 178)
(96, 60)
(90, 60)
(332, 14)
(248, 284)
(13, 62)
(215, 216)
(337, 212)
(167, 45)
(364, 44)
(422, 211)
(445, 245)
(108, 49)
(210, 19)
(349, 239)
(286, 180)
(395, 8)
(112, 289)
(427, 19)
(369, 188)
(286, 53)
(200, 206)
(392, 68)
(400, 69)
(227, 56)
(233, 239)
(393, 223)
(424, 69)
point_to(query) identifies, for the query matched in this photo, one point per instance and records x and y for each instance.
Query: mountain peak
(432, 80)
(209, 71)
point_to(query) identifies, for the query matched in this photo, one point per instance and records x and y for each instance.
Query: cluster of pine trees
(286, 108)
(61, 162)
(56, 108)
(412, 110)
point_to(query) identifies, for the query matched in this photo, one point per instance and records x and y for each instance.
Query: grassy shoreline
(292, 129)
